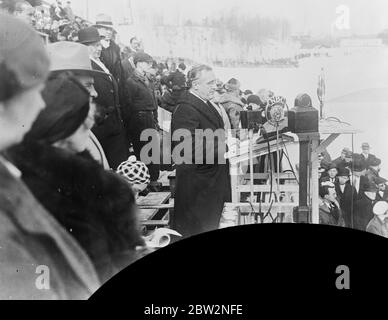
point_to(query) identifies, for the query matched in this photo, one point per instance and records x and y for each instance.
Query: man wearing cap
(382, 194)
(345, 160)
(363, 206)
(379, 223)
(346, 194)
(140, 109)
(374, 170)
(109, 128)
(74, 57)
(365, 155)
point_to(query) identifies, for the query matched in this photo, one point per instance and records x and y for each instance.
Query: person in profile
(330, 212)
(31, 239)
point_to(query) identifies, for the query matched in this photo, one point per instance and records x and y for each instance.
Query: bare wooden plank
(154, 198)
(146, 214)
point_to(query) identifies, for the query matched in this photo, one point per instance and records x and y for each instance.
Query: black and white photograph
(168, 143)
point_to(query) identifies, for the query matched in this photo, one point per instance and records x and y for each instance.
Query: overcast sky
(314, 16)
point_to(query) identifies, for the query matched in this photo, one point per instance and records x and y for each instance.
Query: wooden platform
(155, 208)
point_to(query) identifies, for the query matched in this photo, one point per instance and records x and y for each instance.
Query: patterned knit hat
(134, 171)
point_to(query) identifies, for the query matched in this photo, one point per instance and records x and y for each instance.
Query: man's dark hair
(133, 38)
(195, 73)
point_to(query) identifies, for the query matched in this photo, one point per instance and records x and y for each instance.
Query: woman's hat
(67, 107)
(134, 171)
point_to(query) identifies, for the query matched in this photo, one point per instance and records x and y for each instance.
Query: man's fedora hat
(89, 35)
(104, 20)
(70, 56)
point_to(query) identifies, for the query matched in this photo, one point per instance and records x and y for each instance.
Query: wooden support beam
(324, 144)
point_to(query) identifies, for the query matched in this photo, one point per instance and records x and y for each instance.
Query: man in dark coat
(359, 181)
(363, 208)
(346, 194)
(110, 53)
(202, 182)
(109, 128)
(140, 110)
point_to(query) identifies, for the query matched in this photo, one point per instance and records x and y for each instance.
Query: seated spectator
(329, 210)
(379, 223)
(29, 236)
(94, 205)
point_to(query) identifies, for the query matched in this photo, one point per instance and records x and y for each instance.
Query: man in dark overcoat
(109, 128)
(202, 180)
(346, 194)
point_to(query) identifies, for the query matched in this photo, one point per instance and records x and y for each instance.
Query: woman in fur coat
(96, 206)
